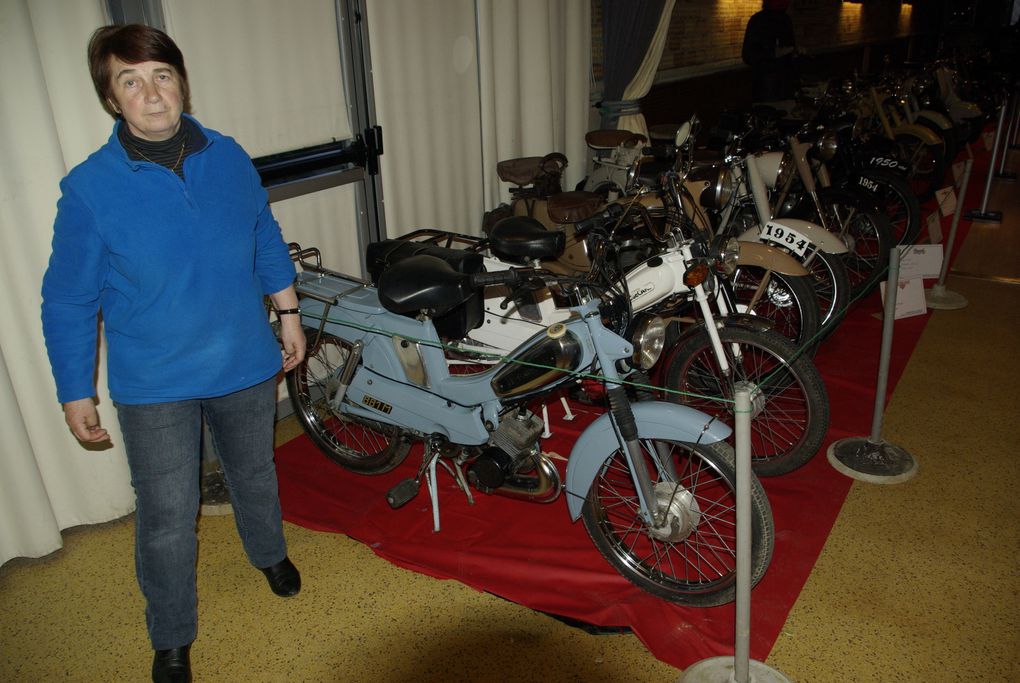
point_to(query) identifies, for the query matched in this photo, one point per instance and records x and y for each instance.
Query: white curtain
(645, 76)
(49, 121)
(459, 89)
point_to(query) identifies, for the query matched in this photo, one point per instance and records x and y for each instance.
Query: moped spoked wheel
(926, 164)
(831, 283)
(359, 445)
(787, 300)
(867, 236)
(790, 406)
(689, 555)
(894, 197)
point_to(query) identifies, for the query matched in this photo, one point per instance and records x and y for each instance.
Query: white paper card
(909, 298)
(947, 200)
(934, 228)
(921, 261)
(989, 138)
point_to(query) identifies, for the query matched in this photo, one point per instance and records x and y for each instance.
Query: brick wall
(701, 70)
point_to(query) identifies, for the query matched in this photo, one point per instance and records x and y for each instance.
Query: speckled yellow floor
(918, 582)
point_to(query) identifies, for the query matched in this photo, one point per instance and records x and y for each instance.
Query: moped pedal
(402, 493)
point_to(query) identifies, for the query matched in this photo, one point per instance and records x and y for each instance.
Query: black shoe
(172, 666)
(283, 578)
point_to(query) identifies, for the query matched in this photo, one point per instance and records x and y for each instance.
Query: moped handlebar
(610, 213)
(497, 277)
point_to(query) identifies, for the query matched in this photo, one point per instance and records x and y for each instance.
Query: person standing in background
(166, 232)
(768, 48)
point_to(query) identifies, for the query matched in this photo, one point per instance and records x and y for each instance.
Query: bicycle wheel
(926, 163)
(689, 558)
(360, 445)
(866, 234)
(831, 283)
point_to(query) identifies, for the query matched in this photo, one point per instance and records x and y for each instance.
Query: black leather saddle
(519, 238)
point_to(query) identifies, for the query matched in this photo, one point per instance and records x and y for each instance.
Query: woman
(166, 230)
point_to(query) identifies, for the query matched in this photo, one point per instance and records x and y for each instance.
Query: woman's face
(148, 96)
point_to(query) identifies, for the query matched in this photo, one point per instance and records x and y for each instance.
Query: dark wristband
(288, 311)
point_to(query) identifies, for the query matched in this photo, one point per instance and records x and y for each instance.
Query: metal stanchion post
(938, 296)
(983, 214)
(1003, 174)
(739, 668)
(873, 459)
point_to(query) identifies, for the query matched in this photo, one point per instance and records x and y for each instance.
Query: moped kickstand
(406, 490)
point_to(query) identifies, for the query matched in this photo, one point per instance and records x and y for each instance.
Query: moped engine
(512, 451)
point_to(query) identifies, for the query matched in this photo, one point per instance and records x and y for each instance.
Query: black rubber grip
(496, 277)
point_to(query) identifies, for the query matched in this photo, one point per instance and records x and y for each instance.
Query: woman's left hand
(293, 339)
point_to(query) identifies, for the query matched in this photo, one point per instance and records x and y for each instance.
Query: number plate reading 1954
(785, 237)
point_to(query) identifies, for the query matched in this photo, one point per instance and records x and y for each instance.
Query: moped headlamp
(827, 145)
(726, 184)
(726, 259)
(649, 338)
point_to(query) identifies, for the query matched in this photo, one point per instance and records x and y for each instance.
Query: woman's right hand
(83, 419)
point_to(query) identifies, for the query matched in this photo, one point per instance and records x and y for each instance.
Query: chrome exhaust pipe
(542, 486)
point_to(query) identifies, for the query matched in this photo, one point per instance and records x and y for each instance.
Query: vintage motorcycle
(653, 481)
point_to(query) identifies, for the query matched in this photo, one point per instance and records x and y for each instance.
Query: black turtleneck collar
(171, 152)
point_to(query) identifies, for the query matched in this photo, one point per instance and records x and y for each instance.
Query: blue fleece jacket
(178, 269)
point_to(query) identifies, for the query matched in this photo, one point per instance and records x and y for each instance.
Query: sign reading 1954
(786, 237)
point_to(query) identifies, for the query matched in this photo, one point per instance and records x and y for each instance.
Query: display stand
(739, 668)
(873, 459)
(938, 296)
(983, 214)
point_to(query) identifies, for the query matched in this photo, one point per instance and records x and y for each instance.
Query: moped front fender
(755, 253)
(936, 117)
(819, 236)
(655, 420)
(929, 136)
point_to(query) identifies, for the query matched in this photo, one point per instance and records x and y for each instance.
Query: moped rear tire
(790, 415)
(359, 445)
(691, 559)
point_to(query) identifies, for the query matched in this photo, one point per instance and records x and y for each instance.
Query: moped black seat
(422, 283)
(520, 237)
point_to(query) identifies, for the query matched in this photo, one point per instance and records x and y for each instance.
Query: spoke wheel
(790, 404)
(787, 300)
(867, 236)
(831, 283)
(926, 164)
(894, 198)
(364, 446)
(688, 555)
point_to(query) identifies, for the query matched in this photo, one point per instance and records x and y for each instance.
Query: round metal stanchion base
(721, 670)
(215, 494)
(940, 298)
(874, 462)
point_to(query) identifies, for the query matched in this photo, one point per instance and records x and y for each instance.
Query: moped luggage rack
(314, 287)
(448, 240)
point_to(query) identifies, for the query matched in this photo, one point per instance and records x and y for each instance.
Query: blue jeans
(163, 442)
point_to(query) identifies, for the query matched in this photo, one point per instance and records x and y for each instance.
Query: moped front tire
(690, 558)
(790, 405)
(831, 283)
(788, 301)
(359, 445)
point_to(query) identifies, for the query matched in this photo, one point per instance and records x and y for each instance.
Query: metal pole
(1009, 133)
(742, 642)
(967, 164)
(892, 284)
(995, 151)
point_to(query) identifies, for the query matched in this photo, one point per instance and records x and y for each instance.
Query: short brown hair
(132, 44)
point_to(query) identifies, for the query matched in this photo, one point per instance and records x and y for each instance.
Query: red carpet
(533, 555)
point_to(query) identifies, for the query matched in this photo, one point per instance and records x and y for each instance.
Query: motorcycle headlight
(649, 338)
(726, 258)
(827, 145)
